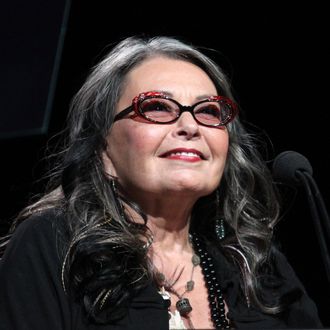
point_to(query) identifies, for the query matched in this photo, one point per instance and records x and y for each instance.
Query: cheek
(219, 144)
(140, 141)
(219, 148)
(130, 145)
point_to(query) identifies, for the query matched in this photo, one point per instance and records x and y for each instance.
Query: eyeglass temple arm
(123, 113)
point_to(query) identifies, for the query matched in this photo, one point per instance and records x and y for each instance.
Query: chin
(197, 188)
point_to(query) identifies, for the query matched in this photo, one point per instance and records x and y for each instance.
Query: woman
(161, 213)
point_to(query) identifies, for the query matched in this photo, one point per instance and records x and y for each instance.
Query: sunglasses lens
(213, 113)
(159, 110)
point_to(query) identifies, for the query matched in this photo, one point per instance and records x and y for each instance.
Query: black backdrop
(278, 61)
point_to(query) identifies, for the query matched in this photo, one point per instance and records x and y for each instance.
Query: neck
(168, 222)
(170, 235)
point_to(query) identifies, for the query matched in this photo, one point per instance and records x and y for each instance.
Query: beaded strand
(216, 300)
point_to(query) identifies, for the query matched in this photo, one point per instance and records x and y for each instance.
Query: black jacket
(32, 296)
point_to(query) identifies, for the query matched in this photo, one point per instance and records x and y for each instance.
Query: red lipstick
(184, 154)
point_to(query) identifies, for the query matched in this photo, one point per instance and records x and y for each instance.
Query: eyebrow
(169, 94)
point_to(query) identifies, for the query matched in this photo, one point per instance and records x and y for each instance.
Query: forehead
(161, 73)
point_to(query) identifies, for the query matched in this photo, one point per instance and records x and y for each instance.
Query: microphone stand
(319, 215)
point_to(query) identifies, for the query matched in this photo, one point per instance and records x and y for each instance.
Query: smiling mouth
(190, 155)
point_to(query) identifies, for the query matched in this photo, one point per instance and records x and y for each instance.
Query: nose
(186, 127)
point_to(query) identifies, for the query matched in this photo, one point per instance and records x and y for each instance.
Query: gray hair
(248, 202)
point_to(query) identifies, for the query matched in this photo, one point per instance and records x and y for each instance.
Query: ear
(108, 165)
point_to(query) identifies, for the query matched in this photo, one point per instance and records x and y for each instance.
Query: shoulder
(30, 276)
(299, 308)
(280, 267)
(43, 220)
(39, 232)
(279, 284)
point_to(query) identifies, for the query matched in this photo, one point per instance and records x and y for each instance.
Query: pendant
(190, 285)
(183, 306)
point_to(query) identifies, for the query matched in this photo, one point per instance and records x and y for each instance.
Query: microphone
(293, 168)
(286, 165)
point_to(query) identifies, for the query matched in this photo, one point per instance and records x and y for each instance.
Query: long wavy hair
(105, 261)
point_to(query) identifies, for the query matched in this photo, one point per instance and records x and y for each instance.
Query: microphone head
(286, 165)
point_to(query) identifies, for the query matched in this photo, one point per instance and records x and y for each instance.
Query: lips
(183, 152)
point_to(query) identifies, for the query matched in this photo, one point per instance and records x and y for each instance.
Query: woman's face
(169, 160)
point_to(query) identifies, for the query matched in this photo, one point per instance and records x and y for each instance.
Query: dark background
(277, 58)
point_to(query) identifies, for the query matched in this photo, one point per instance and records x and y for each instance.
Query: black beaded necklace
(216, 301)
